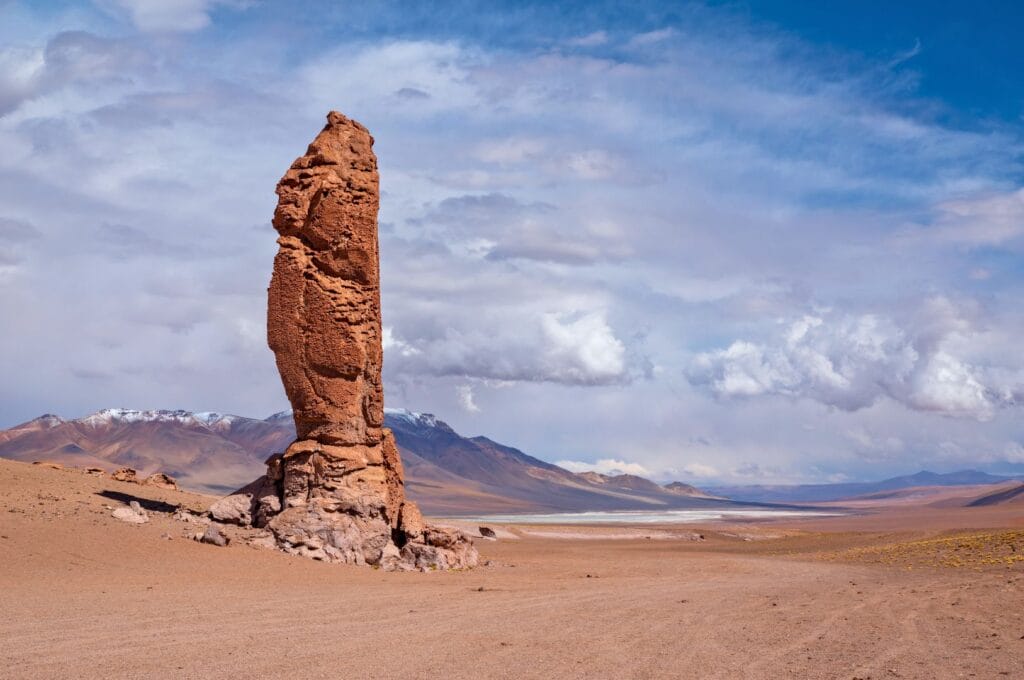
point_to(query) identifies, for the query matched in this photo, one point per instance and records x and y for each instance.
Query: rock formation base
(324, 528)
(326, 503)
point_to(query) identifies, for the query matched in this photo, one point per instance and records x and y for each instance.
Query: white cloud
(500, 227)
(364, 81)
(986, 220)
(592, 164)
(590, 40)
(980, 274)
(511, 150)
(849, 362)
(69, 59)
(700, 470)
(652, 37)
(1013, 453)
(605, 466)
(584, 348)
(166, 15)
(20, 70)
(567, 348)
(949, 386)
(465, 396)
(389, 343)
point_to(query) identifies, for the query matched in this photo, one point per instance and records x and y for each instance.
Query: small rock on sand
(183, 514)
(214, 536)
(133, 514)
(487, 532)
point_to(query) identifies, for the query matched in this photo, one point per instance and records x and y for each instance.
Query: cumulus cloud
(391, 344)
(850, 362)
(577, 348)
(605, 466)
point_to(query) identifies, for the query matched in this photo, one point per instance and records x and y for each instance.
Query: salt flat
(649, 517)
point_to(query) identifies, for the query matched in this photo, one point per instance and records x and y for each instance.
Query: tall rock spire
(337, 492)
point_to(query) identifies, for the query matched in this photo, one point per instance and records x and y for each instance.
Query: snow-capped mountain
(216, 452)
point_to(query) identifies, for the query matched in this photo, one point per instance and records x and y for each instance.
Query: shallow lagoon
(645, 516)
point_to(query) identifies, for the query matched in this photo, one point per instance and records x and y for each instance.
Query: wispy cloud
(160, 16)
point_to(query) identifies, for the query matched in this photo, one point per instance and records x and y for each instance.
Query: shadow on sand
(147, 503)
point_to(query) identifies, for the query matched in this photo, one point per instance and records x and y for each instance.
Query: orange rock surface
(337, 493)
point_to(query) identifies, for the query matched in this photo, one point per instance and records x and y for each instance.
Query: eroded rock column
(337, 492)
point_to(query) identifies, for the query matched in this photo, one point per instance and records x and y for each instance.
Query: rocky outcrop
(48, 464)
(161, 481)
(125, 474)
(337, 492)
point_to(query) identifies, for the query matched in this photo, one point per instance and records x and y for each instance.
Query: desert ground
(897, 591)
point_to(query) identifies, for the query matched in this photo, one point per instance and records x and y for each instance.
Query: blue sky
(736, 242)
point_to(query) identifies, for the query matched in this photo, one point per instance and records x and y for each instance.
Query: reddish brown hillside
(445, 472)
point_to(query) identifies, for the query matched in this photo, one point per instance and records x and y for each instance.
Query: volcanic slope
(446, 473)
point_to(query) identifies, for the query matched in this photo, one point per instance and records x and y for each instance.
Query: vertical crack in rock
(337, 493)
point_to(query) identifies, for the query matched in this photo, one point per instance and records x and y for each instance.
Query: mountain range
(812, 493)
(445, 472)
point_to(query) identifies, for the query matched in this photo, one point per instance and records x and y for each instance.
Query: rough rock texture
(337, 492)
(125, 474)
(133, 514)
(161, 480)
(214, 536)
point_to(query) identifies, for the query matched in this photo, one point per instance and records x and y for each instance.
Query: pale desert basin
(904, 592)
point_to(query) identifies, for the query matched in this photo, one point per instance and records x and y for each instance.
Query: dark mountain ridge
(809, 493)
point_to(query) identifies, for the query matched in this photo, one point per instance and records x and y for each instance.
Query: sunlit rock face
(337, 492)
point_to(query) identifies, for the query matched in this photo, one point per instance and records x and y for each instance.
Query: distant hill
(808, 493)
(1013, 495)
(445, 472)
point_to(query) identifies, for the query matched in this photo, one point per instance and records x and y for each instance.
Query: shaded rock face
(337, 492)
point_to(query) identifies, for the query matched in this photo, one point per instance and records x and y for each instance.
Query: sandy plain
(903, 592)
